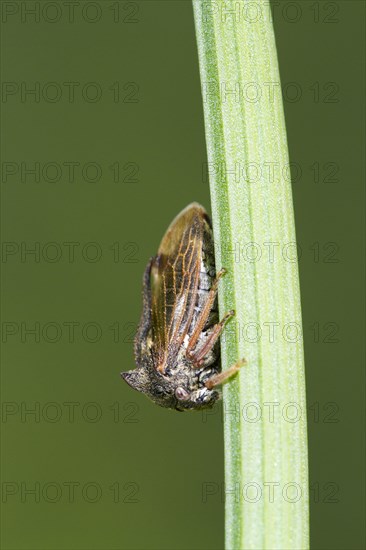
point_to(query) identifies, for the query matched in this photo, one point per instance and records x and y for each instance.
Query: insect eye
(181, 394)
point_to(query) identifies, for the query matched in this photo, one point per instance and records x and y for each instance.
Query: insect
(176, 347)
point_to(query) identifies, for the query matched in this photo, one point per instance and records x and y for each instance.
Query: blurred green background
(115, 124)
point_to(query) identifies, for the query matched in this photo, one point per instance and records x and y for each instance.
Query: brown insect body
(177, 343)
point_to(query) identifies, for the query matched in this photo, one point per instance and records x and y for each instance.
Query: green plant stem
(266, 471)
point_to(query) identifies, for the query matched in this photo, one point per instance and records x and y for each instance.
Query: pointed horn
(135, 378)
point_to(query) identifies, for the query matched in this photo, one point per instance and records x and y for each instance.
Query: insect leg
(203, 316)
(198, 356)
(221, 377)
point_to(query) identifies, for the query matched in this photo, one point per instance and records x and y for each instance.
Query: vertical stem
(264, 408)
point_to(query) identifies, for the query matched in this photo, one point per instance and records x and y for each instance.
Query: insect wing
(174, 282)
